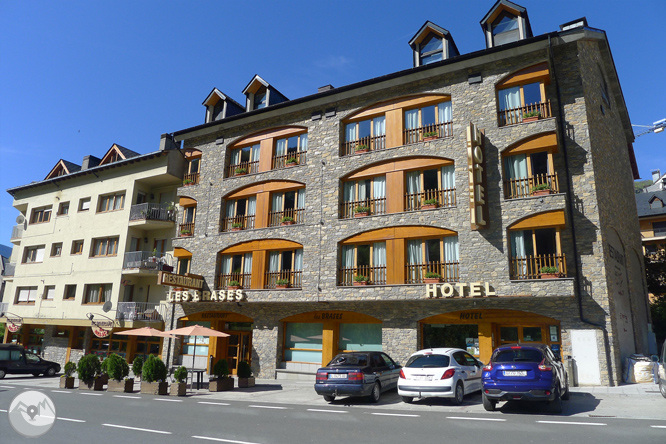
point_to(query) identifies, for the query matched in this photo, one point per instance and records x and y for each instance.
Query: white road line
(475, 419)
(127, 396)
(60, 391)
(70, 419)
(2, 410)
(223, 440)
(573, 423)
(7, 386)
(162, 432)
(395, 414)
(327, 411)
(213, 403)
(91, 394)
(168, 400)
(268, 407)
(658, 427)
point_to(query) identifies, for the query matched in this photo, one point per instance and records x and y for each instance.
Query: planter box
(178, 389)
(429, 138)
(246, 382)
(221, 385)
(360, 284)
(233, 287)
(236, 229)
(105, 378)
(530, 119)
(121, 386)
(185, 234)
(541, 192)
(428, 206)
(188, 184)
(431, 280)
(361, 151)
(67, 383)
(549, 275)
(154, 388)
(240, 174)
(287, 223)
(96, 384)
(282, 286)
(290, 164)
(363, 214)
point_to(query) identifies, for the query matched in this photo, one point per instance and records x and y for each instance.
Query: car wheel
(567, 394)
(376, 393)
(662, 386)
(2, 373)
(488, 404)
(329, 398)
(51, 371)
(459, 394)
(407, 399)
(556, 404)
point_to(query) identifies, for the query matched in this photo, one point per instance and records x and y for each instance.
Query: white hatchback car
(440, 372)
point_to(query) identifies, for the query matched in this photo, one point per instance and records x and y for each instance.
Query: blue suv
(521, 372)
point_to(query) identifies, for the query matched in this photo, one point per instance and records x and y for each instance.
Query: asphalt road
(103, 417)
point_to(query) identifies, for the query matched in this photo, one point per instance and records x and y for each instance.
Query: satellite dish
(107, 306)
(20, 219)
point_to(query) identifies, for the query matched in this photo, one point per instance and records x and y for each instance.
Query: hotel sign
(206, 296)
(478, 207)
(189, 281)
(474, 290)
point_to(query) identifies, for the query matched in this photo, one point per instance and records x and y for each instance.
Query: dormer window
(260, 94)
(432, 44)
(219, 106)
(431, 50)
(260, 98)
(506, 22)
(505, 29)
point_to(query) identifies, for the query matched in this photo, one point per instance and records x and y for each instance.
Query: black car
(15, 360)
(357, 374)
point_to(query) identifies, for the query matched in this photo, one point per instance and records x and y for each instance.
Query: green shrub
(287, 219)
(292, 161)
(430, 202)
(221, 369)
(361, 147)
(529, 114)
(154, 370)
(233, 284)
(430, 134)
(240, 170)
(361, 209)
(137, 365)
(359, 278)
(237, 225)
(244, 370)
(180, 375)
(282, 282)
(549, 270)
(89, 367)
(541, 186)
(116, 367)
(432, 275)
(70, 368)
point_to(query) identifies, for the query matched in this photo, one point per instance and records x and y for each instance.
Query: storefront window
(106, 346)
(532, 334)
(152, 346)
(303, 342)
(464, 336)
(509, 334)
(201, 341)
(360, 337)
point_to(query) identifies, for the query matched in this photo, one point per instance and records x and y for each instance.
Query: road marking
(475, 419)
(168, 400)
(60, 391)
(2, 410)
(91, 394)
(573, 423)
(7, 386)
(127, 396)
(395, 414)
(137, 429)
(268, 407)
(213, 403)
(327, 411)
(223, 440)
(658, 427)
(70, 419)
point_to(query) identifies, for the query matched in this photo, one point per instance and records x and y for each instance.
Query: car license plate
(515, 373)
(423, 377)
(337, 376)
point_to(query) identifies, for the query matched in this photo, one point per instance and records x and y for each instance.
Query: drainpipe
(578, 286)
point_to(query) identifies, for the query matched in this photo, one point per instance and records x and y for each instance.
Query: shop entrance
(238, 348)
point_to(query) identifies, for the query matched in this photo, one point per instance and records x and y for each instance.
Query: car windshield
(349, 360)
(518, 355)
(424, 361)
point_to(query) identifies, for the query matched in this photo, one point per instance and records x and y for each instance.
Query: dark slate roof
(5, 251)
(71, 166)
(643, 203)
(128, 153)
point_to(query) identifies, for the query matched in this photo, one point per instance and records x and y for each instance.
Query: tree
(655, 274)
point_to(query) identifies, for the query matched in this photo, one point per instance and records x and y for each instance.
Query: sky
(78, 76)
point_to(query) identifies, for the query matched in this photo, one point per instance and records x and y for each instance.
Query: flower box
(236, 228)
(364, 150)
(96, 384)
(362, 214)
(541, 192)
(360, 283)
(126, 386)
(154, 388)
(246, 382)
(221, 385)
(291, 222)
(531, 119)
(431, 280)
(67, 382)
(233, 287)
(428, 206)
(429, 138)
(282, 286)
(178, 389)
(549, 275)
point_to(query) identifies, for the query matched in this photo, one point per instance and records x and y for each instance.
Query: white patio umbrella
(196, 330)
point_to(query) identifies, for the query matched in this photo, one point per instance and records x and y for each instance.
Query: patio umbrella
(147, 332)
(196, 330)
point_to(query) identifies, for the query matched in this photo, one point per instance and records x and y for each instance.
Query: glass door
(238, 349)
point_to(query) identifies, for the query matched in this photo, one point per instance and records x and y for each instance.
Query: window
(528, 173)
(77, 247)
(63, 209)
(26, 295)
(656, 203)
(111, 202)
(237, 267)
(365, 135)
(240, 214)
(505, 29)
(107, 246)
(367, 261)
(56, 250)
(431, 49)
(33, 255)
(536, 251)
(187, 227)
(284, 266)
(41, 215)
(84, 204)
(49, 292)
(70, 292)
(184, 265)
(303, 342)
(97, 293)
(428, 122)
(360, 337)
(659, 228)
(289, 204)
(244, 160)
(432, 185)
(290, 151)
(437, 255)
(260, 98)
(364, 194)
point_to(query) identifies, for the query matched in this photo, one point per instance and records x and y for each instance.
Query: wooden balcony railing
(371, 144)
(246, 223)
(415, 273)
(250, 168)
(375, 275)
(191, 179)
(289, 160)
(294, 278)
(529, 267)
(516, 188)
(418, 134)
(244, 279)
(275, 217)
(186, 229)
(377, 206)
(445, 198)
(515, 115)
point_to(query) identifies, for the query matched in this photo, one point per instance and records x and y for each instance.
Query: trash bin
(570, 368)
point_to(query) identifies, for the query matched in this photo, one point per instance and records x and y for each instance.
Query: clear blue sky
(78, 76)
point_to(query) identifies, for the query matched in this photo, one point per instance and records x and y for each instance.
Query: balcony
(145, 263)
(243, 168)
(244, 280)
(517, 188)
(363, 145)
(4, 306)
(289, 160)
(294, 278)
(152, 216)
(444, 198)
(237, 223)
(190, 179)
(529, 267)
(514, 116)
(275, 217)
(9, 270)
(186, 229)
(17, 234)
(416, 273)
(349, 209)
(374, 275)
(427, 132)
(140, 311)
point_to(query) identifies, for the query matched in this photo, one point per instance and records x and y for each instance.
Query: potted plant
(233, 285)
(432, 277)
(430, 135)
(282, 283)
(118, 371)
(185, 232)
(236, 226)
(220, 380)
(187, 182)
(153, 375)
(361, 211)
(67, 380)
(240, 171)
(360, 280)
(430, 204)
(291, 162)
(137, 366)
(179, 387)
(542, 189)
(549, 272)
(104, 375)
(362, 148)
(287, 220)
(531, 116)
(89, 369)
(244, 373)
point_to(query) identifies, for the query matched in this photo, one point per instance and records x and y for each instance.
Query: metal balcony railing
(153, 211)
(9, 270)
(17, 232)
(140, 311)
(4, 306)
(145, 260)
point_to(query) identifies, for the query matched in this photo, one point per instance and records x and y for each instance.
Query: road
(104, 417)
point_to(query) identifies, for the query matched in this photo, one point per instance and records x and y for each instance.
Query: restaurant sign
(101, 329)
(459, 289)
(206, 296)
(14, 324)
(187, 280)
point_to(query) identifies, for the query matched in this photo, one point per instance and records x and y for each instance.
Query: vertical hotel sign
(478, 207)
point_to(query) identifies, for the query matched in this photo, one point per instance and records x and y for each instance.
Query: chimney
(90, 162)
(167, 143)
(656, 174)
(324, 88)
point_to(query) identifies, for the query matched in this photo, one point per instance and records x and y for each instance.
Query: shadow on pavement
(579, 403)
(387, 398)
